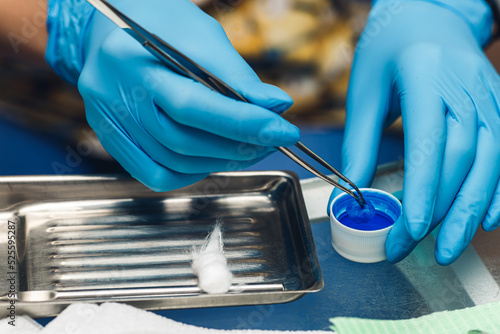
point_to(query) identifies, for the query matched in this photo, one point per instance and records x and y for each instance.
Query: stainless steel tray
(107, 238)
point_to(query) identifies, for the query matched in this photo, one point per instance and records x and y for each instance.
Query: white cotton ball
(213, 274)
(210, 264)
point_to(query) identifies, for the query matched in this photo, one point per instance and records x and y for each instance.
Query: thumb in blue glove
(166, 130)
(426, 64)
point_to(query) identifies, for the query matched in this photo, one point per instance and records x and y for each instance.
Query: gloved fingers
(238, 75)
(492, 219)
(367, 106)
(399, 242)
(182, 163)
(423, 115)
(361, 146)
(190, 141)
(192, 104)
(203, 40)
(138, 163)
(220, 58)
(460, 137)
(262, 94)
(135, 100)
(233, 70)
(472, 201)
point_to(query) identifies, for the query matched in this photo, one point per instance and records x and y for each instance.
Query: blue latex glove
(165, 130)
(423, 60)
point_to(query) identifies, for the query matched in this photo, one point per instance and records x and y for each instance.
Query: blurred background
(303, 46)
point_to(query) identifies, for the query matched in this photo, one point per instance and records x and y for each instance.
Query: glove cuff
(477, 13)
(67, 21)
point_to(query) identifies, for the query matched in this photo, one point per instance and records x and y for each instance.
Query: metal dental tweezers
(181, 64)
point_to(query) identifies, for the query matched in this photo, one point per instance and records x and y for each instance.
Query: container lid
(363, 242)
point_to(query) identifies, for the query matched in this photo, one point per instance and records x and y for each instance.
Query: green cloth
(477, 319)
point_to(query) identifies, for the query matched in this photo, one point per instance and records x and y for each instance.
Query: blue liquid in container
(380, 211)
(377, 222)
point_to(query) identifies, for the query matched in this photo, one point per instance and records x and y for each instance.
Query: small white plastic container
(361, 245)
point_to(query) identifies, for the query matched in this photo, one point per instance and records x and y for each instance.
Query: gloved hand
(423, 60)
(166, 130)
